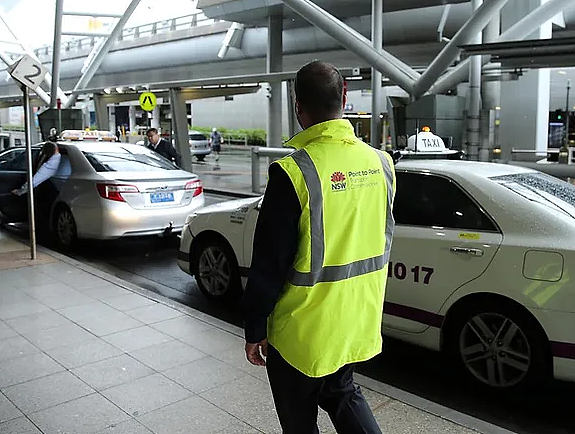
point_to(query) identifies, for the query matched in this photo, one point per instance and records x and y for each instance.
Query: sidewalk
(83, 352)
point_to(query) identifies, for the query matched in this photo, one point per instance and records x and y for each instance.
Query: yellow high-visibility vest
(330, 311)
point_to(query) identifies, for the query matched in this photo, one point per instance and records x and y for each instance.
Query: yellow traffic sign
(148, 101)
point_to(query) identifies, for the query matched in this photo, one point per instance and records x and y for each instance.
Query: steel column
(470, 29)
(29, 161)
(474, 111)
(376, 88)
(491, 98)
(519, 31)
(397, 71)
(180, 127)
(56, 53)
(275, 64)
(101, 54)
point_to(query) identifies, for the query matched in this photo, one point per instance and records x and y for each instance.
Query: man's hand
(254, 353)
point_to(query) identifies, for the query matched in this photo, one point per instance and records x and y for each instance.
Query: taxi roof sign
(426, 142)
(82, 135)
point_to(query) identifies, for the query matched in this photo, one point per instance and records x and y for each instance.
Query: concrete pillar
(293, 125)
(156, 117)
(376, 88)
(132, 119)
(525, 103)
(86, 115)
(275, 64)
(112, 118)
(180, 127)
(101, 109)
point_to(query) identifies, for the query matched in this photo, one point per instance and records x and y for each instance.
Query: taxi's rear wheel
(215, 267)
(498, 344)
(65, 227)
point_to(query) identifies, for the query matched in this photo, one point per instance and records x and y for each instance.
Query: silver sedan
(113, 190)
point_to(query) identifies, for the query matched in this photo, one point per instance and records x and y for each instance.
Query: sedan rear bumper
(119, 219)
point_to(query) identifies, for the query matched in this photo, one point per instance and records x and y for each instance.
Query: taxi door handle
(467, 251)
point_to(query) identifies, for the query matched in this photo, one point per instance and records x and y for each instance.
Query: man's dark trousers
(297, 397)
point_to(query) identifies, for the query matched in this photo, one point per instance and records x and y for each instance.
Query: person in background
(313, 302)
(163, 147)
(216, 141)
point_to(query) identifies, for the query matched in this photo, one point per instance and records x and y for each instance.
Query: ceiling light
(107, 91)
(562, 72)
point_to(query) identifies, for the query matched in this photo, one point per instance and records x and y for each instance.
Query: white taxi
(479, 268)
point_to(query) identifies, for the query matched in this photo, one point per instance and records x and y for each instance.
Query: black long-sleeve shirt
(274, 249)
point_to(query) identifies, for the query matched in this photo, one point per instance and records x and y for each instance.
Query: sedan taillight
(114, 191)
(195, 185)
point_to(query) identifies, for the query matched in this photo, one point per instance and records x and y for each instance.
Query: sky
(37, 29)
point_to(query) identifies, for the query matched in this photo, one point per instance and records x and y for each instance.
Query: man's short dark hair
(319, 90)
(152, 130)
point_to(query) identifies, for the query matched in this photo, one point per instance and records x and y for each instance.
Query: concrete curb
(422, 404)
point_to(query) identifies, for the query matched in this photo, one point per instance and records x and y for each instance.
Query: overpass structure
(239, 41)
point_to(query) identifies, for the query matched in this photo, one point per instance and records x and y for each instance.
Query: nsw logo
(338, 181)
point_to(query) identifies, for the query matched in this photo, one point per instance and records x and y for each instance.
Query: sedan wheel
(65, 226)
(215, 272)
(498, 344)
(216, 269)
(495, 350)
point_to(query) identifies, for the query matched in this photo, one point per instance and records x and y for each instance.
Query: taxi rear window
(111, 161)
(541, 188)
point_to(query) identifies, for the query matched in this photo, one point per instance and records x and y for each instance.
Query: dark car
(13, 166)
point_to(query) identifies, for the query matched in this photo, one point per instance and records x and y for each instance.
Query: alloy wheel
(495, 350)
(65, 227)
(214, 271)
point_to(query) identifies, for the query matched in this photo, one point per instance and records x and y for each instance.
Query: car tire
(498, 345)
(64, 226)
(201, 157)
(215, 267)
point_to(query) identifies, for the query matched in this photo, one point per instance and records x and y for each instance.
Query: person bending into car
(45, 191)
(163, 147)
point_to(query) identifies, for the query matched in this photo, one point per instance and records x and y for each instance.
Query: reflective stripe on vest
(333, 273)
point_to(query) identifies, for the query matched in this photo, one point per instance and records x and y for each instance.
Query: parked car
(480, 266)
(114, 190)
(199, 145)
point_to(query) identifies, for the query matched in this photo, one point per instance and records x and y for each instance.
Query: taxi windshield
(543, 189)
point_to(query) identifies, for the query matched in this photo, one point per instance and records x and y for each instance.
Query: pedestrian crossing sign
(148, 101)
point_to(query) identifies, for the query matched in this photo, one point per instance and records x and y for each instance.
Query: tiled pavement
(82, 352)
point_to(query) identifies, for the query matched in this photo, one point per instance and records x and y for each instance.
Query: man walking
(216, 141)
(313, 304)
(163, 147)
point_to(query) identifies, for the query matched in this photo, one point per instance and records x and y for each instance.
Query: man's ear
(297, 107)
(344, 99)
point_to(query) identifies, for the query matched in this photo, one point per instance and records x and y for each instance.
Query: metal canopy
(100, 51)
(518, 31)
(545, 53)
